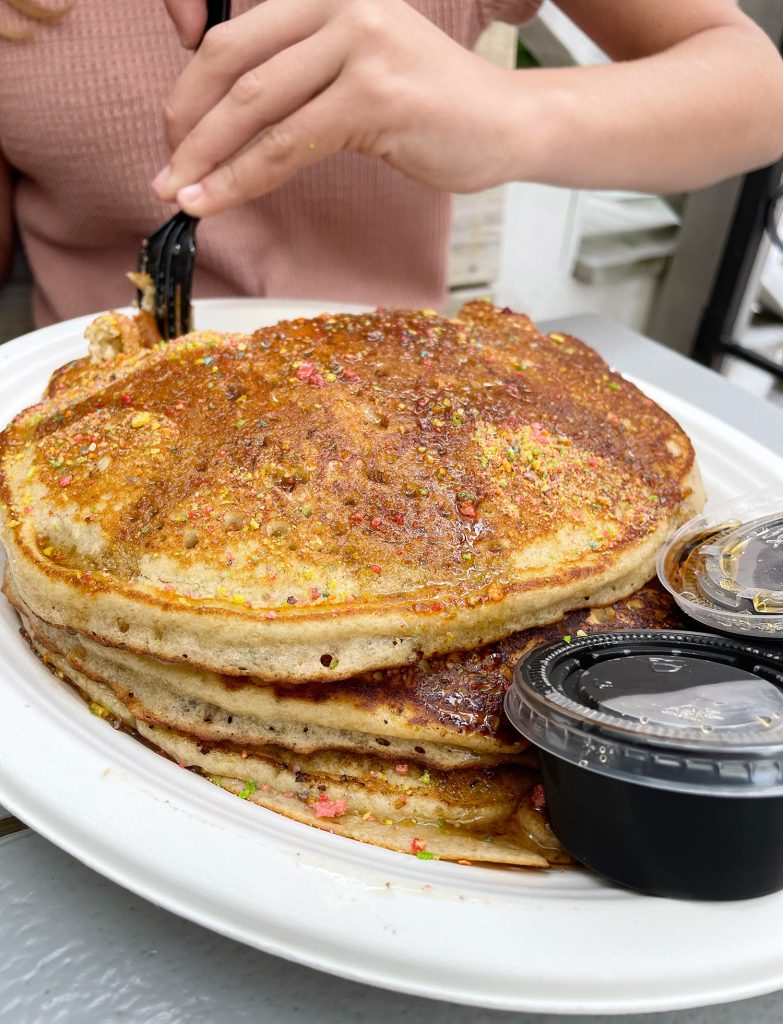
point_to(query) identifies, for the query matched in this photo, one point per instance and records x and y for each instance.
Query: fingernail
(189, 195)
(160, 179)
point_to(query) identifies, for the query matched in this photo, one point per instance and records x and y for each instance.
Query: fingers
(260, 98)
(189, 17)
(316, 130)
(232, 49)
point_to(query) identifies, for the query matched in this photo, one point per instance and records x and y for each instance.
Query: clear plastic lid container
(675, 710)
(725, 567)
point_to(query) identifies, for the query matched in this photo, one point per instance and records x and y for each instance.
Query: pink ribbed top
(80, 123)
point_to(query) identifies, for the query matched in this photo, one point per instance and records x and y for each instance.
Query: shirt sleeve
(513, 12)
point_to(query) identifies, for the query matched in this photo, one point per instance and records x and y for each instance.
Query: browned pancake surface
(337, 494)
(339, 447)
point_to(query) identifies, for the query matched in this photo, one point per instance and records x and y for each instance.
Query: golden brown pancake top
(348, 457)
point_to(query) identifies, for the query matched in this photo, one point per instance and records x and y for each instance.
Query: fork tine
(168, 257)
(149, 263)
(181, 254)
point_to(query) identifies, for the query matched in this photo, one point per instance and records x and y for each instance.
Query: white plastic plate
(557, 941)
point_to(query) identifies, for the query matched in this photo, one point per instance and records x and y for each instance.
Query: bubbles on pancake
(234, 520)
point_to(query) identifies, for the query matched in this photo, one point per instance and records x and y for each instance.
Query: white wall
(541, 231)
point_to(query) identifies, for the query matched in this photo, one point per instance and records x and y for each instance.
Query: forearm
(671, 122)
(696, 96)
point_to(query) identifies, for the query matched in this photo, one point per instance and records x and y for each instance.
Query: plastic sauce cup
(662, 758)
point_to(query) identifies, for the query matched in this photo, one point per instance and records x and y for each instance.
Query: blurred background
(698, 272)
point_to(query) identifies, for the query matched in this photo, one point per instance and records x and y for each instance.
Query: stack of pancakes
(304, 562)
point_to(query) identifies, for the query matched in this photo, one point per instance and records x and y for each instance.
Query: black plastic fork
(168, 255)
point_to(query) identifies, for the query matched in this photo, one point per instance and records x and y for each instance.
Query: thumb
(189, 17)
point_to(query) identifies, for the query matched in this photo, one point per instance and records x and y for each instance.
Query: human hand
(293, 81)
(189, 17)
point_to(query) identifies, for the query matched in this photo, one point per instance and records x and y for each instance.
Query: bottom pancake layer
(394, 761)
(482, 815)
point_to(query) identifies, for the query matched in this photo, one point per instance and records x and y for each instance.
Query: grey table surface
(75, 947)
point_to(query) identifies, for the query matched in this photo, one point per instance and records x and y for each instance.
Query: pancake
(445, 712)
(332, 496)
(484, 808)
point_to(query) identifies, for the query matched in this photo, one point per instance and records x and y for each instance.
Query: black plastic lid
(675, 709)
